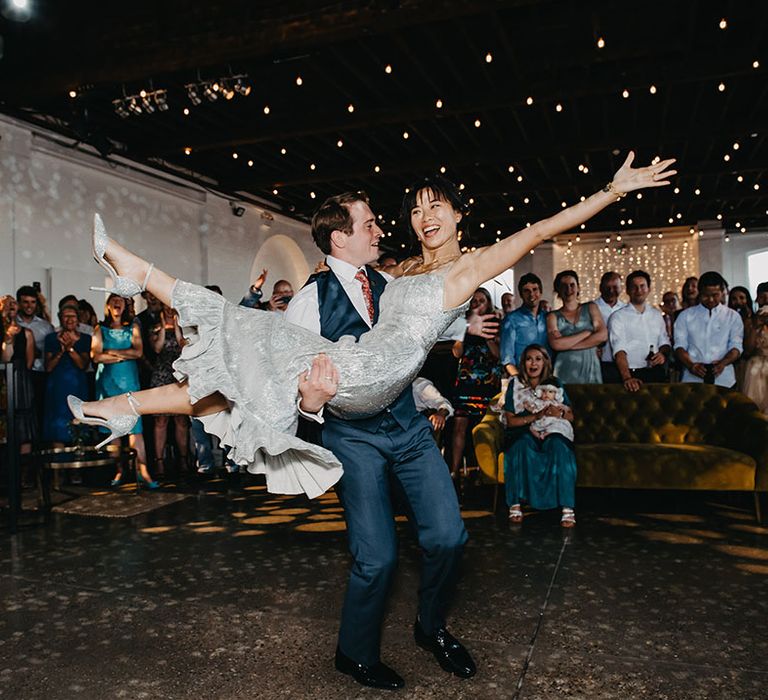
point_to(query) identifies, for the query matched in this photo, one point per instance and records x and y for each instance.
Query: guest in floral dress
(479, 380)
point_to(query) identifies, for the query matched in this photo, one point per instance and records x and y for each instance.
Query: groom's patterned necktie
(367, 294)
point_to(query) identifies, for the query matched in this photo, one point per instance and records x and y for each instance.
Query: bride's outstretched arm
(485, 263)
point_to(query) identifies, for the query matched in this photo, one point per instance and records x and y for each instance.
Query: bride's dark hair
(439, 187)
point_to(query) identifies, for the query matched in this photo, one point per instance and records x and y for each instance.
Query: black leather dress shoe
(377, 676)
(449, 651)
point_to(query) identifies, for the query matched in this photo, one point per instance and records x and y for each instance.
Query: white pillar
(711, 246)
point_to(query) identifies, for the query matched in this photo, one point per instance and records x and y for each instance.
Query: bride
(243, 369)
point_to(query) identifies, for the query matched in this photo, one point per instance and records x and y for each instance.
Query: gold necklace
(437, 263)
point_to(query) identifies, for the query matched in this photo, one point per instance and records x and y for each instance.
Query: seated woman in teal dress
(539, 469)
(574, 332)
(116, 347)
(67, 356)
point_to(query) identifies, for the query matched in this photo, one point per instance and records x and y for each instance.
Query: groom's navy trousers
(370, 459)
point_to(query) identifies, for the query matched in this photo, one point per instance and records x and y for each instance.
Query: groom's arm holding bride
(317, 386)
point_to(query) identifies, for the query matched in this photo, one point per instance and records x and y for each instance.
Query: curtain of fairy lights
(667, 258)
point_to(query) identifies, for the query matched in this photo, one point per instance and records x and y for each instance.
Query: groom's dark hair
(333, 215)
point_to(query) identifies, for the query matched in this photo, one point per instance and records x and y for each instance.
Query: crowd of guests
(97, 358)
(529, 354)
(708, 333)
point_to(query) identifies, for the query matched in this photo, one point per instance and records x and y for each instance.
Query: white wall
(49, 193)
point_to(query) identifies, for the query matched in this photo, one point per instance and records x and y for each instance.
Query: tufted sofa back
(658, 413)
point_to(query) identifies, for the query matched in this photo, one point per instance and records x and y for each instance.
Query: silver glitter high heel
(123, 286)
(118, 425)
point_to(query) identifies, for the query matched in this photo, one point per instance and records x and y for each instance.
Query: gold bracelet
(610, 189)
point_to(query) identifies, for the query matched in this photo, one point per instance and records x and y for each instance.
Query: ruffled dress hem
(291, 465)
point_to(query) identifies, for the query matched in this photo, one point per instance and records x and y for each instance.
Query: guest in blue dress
(67, 357)
(116, 347)
(575, 331)
(540, 471)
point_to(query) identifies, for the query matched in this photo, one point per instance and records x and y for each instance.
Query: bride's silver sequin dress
(254, 358)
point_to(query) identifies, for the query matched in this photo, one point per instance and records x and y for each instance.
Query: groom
(344, 300)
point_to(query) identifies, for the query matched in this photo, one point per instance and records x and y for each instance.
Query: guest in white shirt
(638, 336)
(608, 302)
(709, 336)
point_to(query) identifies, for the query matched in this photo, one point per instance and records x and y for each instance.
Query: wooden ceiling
(459, 80)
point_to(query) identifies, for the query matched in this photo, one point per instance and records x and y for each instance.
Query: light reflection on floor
(653, 598)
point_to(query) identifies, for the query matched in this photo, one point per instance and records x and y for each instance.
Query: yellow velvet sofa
(665, 436)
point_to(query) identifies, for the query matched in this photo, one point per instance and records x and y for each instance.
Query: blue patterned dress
(66, 378)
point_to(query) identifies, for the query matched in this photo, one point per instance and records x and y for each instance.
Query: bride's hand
(628, 178)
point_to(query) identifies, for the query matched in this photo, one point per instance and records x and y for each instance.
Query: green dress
(577, 366)
(539, 472)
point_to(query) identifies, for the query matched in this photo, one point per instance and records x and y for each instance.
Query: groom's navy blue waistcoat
(339, 317)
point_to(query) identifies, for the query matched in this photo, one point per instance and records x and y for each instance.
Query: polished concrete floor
(234, 593)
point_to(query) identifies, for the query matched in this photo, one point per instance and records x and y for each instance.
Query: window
(757, 265)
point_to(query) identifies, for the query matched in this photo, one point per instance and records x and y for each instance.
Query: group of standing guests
(717, 337)
(91, 358)
(86, 357)
(48, 363)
